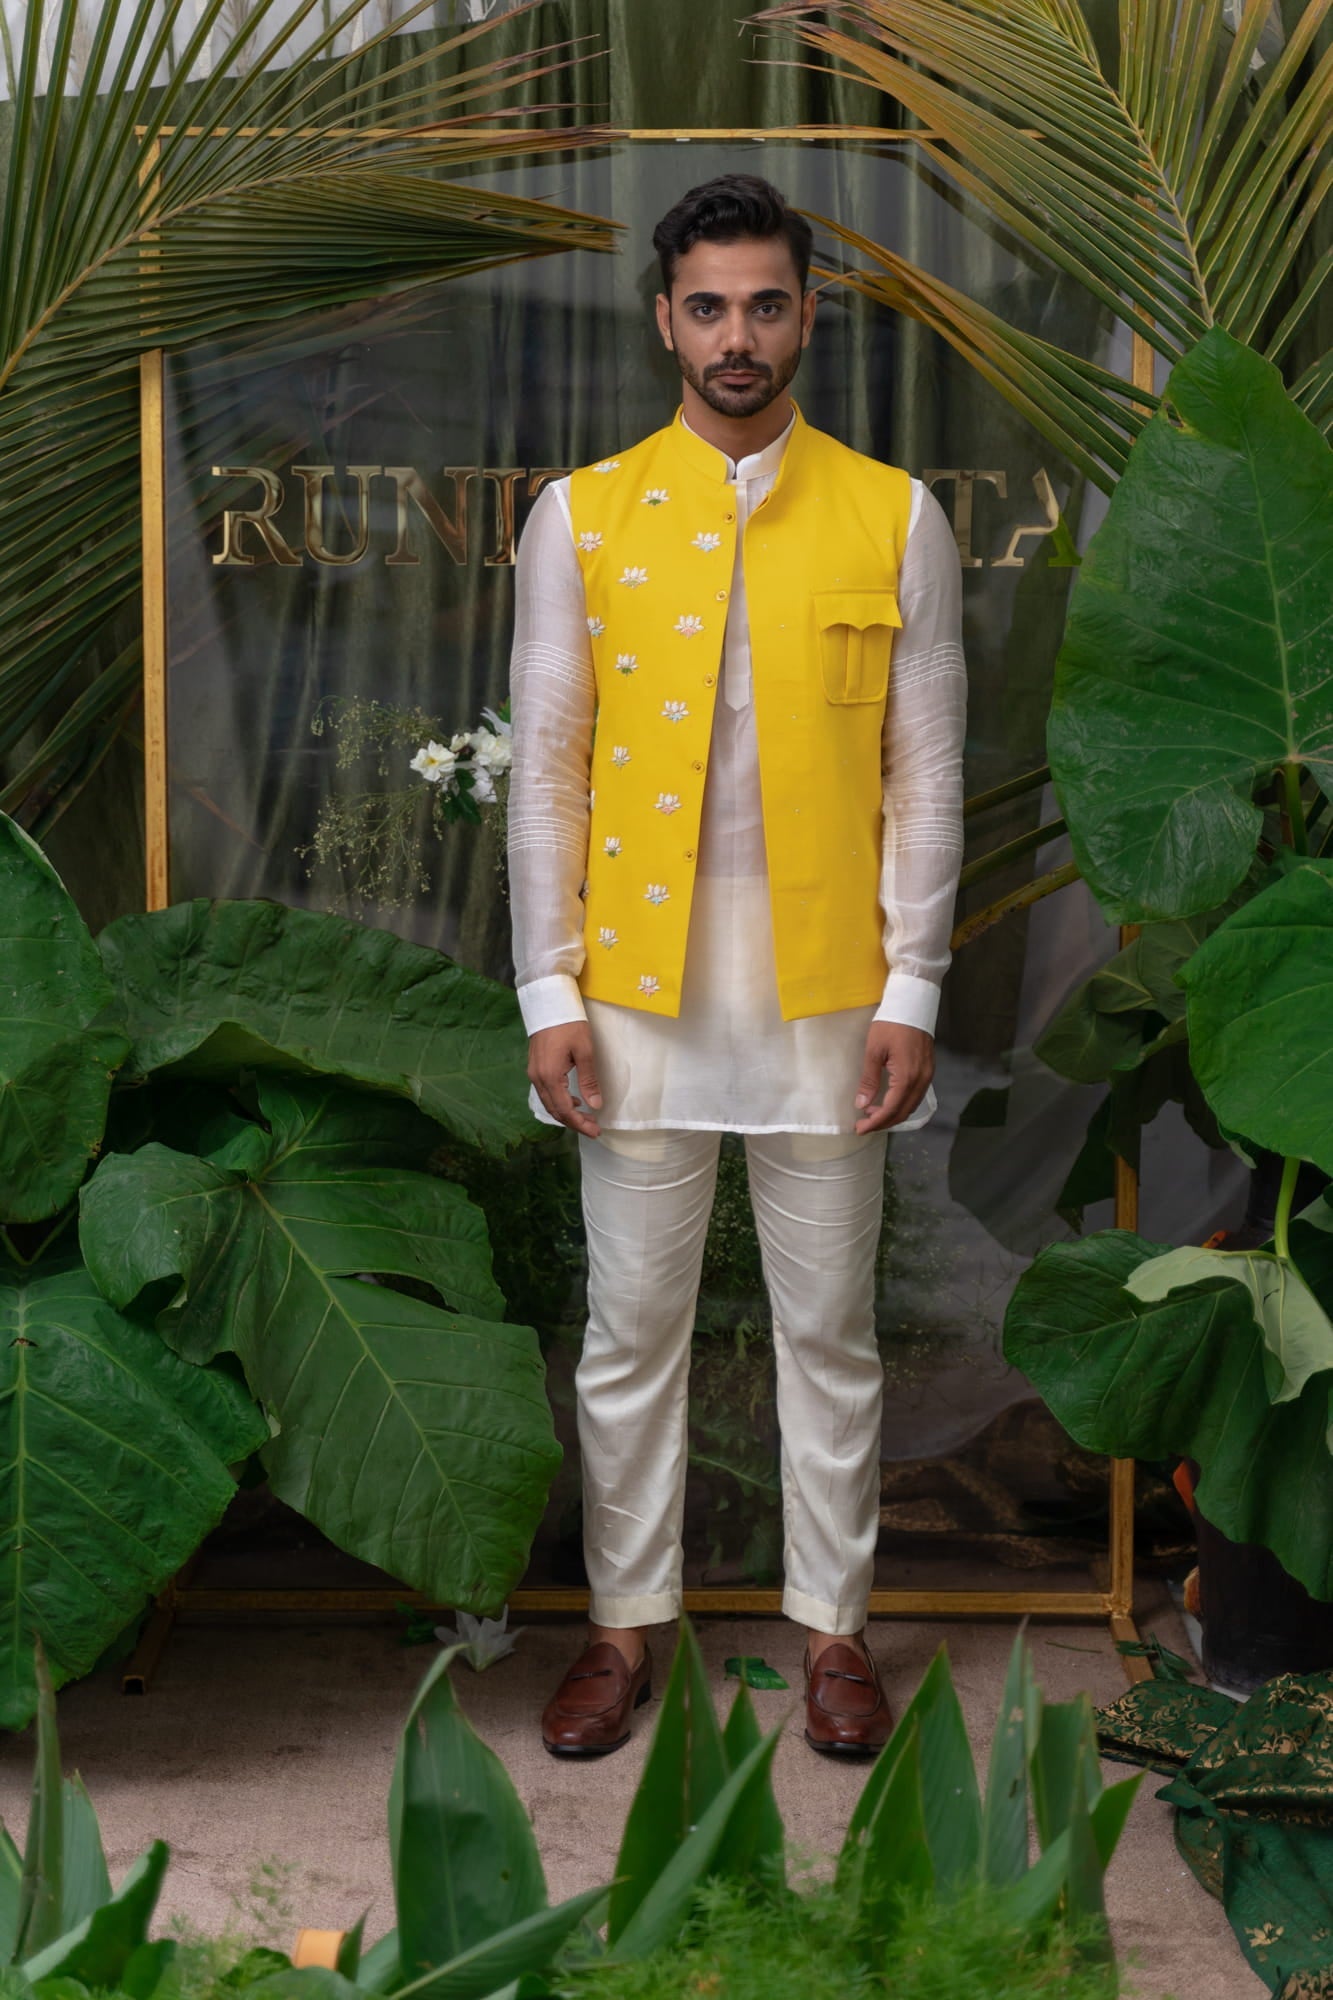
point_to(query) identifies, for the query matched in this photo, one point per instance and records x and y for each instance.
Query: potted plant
(1191, 743)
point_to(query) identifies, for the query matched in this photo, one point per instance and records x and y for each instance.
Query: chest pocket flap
(856, 630)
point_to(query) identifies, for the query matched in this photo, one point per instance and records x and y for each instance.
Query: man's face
(736, 322)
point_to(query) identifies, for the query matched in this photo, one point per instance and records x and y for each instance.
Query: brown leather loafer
(589, 1713)
(846, 1714)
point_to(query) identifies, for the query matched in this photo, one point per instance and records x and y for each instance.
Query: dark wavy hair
(722, 211)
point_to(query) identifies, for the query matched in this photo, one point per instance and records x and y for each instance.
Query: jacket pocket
(856, 629)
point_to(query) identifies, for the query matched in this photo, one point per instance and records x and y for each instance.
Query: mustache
(737, 366)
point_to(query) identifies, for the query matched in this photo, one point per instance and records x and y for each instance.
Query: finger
(900, 1101)
(589, 1088)
(556, 1097)
(872, 1079)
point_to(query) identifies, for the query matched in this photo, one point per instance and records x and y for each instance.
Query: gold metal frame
(1115, 1604)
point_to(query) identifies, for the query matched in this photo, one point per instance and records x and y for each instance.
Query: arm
(553, 699)
(923, 823)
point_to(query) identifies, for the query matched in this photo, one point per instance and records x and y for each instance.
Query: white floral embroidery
(668, 802)
(707, 543)
(656, 892)
(675, 711)
(620, 756)
(606, 937)
(607, 465)
(589, 541)
(656, 496)
(596, 627)
(689, 627)
(626, 662)
(647, 984)
(632, 577)
(612, 844)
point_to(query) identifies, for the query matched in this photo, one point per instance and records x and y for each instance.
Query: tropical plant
(470, 1896)
(175, 171)
(1195, 680)
(1178, 183)
(259, 1259)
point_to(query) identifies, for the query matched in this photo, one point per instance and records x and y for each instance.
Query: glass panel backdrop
(345, 503)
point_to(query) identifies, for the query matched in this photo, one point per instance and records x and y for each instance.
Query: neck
(738, 437)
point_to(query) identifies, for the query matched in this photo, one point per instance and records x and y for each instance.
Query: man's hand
(552, 1053)
(908, 1054)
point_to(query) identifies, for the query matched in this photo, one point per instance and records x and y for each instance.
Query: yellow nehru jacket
(655, 530)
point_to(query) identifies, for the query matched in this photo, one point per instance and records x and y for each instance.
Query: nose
(739, 331)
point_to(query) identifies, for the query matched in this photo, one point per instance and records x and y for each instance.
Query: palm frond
(167, 201)
(1177, 193)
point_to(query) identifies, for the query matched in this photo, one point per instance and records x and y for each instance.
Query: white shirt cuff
(911, 1001)
(551, 1002)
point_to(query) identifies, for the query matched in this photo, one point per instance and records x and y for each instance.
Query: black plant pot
(1257, 1620)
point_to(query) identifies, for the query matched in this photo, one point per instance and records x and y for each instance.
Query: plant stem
(1291, 1167)
(1291, 779)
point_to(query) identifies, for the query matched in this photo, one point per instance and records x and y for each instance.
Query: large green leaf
(686, 1767)
(115, 1457)
(951, 1797)
(890, 1862)
(1195, 661)
(1260, 1013)
(1297, 1332)
(55, 1067)
(465, 1864)
(1004, 1819)
(97, 1950)
(208, 986)
(1181, 1376)
(417, 1437)
(496, 1967)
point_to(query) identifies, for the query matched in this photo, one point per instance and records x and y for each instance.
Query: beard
(768, 385)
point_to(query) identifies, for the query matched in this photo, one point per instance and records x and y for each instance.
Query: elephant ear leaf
(56, 1063)
(266, 1249)
(204, 986)
(1259, 1006)
(1195, 656)
(115, 1468)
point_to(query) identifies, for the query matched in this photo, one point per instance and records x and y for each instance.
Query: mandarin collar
(715, 465)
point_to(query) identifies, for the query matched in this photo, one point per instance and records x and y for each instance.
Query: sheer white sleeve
(923, 769)
(552, 693)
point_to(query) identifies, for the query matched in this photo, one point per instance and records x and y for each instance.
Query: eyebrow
(718, 298)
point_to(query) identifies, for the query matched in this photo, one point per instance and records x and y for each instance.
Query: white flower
(606, 937)
(459, 742)
(435, 762)
(707, 543)
(656, 892)
(668, 802)
(689, 627)
(626, 662)
(596, 627)
(632, 577)
(497, 722)
(612, 844)
(620, 756)
(483, 785)
(607, 465)
(655, 496)
(647, 984)
(490, 753)
(675, 711)
(588, 541)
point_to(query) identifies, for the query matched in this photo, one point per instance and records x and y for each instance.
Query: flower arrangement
(379, 839)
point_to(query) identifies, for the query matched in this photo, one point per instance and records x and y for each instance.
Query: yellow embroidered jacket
(655, 530)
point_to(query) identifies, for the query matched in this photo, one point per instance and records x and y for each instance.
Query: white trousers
(818, 1205)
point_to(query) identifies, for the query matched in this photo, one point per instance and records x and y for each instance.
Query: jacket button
(709, 679)
(721, 597)
(696, 765)
(689, 854)
(728, 517)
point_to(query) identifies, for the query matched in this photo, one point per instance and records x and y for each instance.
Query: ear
(664, 320)
(808, 307)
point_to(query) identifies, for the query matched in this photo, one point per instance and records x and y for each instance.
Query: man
(734, 847)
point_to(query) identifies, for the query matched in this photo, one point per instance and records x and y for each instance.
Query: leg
(818, 1203)
(646, 1202)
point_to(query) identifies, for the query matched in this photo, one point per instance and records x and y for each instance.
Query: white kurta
(728, 1061)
